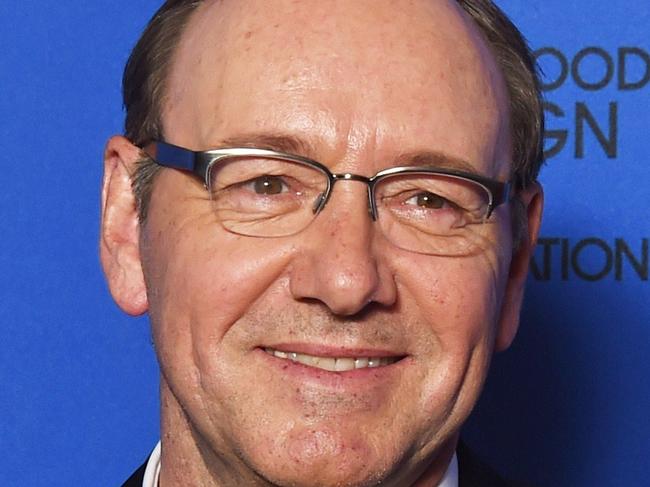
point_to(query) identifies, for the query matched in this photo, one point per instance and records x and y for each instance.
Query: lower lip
(349, 379)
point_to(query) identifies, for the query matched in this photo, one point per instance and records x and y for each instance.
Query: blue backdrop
(566, 406)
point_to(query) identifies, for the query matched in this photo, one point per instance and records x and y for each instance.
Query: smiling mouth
(333, 364)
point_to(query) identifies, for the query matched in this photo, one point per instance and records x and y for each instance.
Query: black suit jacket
(137, 478)
(472, 472)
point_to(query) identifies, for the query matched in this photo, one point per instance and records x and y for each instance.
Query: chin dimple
(333, 364)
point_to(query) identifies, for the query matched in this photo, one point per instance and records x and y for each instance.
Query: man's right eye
(268, 185)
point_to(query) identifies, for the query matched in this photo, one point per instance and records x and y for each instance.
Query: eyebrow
(435, 159)
(271, 141)
(295, 145)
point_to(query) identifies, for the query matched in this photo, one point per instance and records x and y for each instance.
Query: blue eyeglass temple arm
(171, 156)
(175, 157)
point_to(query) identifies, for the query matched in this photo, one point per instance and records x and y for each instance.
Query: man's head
(357, 86)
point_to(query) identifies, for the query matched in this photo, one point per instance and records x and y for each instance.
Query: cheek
(200, 281)
(456, 302)
(194, 267)
(457, 298)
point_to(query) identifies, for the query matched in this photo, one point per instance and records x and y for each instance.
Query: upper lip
(319, 350)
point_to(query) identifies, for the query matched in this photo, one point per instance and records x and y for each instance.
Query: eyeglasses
(266, 193)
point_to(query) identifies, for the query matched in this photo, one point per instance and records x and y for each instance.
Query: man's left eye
(428, 200)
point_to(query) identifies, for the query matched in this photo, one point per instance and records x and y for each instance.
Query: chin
(326, 474)
(318, 459)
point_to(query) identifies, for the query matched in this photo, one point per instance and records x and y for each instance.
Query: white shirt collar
(152, 471)
(450, 479)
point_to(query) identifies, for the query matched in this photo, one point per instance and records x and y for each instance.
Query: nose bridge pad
(323, 198)
(372, 204)
(319, 203)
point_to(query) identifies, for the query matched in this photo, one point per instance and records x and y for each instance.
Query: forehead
(346, 75)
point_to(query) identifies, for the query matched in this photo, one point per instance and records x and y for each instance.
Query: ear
(119, 235)
(532, 200)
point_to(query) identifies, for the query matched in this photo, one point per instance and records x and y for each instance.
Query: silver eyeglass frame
(199, 164)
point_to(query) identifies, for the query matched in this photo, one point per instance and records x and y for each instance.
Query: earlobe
(532, 201)
(119, 234)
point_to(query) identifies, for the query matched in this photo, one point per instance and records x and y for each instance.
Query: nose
(338, 261)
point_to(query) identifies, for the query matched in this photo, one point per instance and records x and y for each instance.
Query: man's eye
(428, 200)
(268, 185)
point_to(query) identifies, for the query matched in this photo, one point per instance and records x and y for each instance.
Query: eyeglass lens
(425, 213)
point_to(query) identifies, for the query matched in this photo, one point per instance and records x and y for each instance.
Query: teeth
(361, 363)
(339, 364)
(343, 364)
(325, 363)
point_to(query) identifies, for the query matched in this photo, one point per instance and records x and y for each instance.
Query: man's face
(359, 84)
